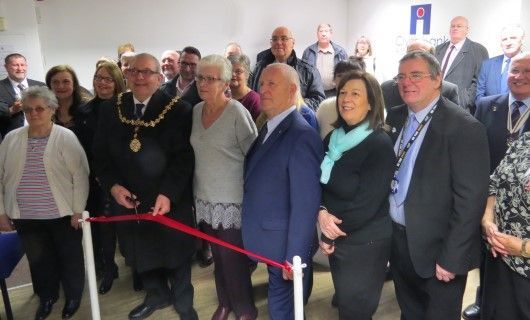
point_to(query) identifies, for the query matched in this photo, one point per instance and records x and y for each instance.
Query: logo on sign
(420, 19)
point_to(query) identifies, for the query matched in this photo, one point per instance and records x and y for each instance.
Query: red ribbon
(189, 230)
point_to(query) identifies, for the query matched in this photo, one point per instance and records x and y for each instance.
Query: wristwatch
(524, 253)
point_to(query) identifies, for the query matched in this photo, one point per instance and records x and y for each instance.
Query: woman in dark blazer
(356, 174)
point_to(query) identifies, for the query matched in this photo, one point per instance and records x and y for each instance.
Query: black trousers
(422, 298)
(170, 286)
(55, 255)
(358, 272)
(232, 273)
(506, 292)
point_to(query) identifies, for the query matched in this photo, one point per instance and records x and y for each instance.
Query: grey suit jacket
(448, 190)
(8, 96)
(393, 98)
(464, 70)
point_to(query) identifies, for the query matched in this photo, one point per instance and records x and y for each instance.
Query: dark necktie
(447, 59)
(138, 113)
(262, 134)
(516, 114)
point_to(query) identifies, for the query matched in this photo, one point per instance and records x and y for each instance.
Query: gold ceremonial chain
(135, 145)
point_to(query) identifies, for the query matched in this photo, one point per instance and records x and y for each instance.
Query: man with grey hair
(493, 76)
(170, 64)
(438, 193)
(324, 56)
(233, 49)
(282, 50)
(143, 158)
(390, 87)
(284, 164)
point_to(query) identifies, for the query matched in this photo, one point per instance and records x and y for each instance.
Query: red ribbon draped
(189, 230)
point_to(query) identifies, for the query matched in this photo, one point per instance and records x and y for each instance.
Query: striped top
(34, 196)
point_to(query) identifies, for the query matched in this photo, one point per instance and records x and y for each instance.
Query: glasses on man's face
(38, 110)
(145, 72)
(413, 77)
(207, 79)
(281, 39)
(184, 64)
(107, 80)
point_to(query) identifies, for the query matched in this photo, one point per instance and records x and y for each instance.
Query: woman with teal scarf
(356, 174)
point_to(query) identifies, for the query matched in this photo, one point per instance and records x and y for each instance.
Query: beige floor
(121, 299)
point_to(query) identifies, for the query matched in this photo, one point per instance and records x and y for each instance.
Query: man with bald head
(282, 44)
(281, 187)
(170, 64)
(493, 77)
(460, 59)
(390, 89)
(143, 158)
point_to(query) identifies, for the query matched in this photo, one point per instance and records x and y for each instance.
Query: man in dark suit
(143, 158)
(183, 85)
(11, 115)
(493, 74)
(390, 87)
(460, 59)
(493, 112)
(281, 187)
(438, 193)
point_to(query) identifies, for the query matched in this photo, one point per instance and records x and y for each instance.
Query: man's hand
(326, 249)
(15, 107)
(162, 205)
(444, 275)
(5, 223)
(124, 197)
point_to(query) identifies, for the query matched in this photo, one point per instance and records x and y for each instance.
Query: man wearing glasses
(183, 85)
(143, 157)
(282, 44)
(438, 193)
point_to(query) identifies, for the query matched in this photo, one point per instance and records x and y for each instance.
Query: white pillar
(298, 288)
(90, 267)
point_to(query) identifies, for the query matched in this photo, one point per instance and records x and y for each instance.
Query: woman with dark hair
(356, 174)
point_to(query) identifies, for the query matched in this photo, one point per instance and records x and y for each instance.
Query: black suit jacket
(447, 192)
(8, 96)
(191, 96)
(492, 111)
(464, 70)
(393, 98)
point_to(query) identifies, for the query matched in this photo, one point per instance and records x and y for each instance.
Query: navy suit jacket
(489, 78)
(492, 111)
(8, 96)
(282, 191)
(464, 70)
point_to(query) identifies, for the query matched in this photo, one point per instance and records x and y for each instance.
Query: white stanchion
(90, 267)
(298, 288)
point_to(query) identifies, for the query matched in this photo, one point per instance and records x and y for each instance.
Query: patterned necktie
(410, 127)
(447, 59)
(21, 88)
(504, 76)
(516, 114)
(138, 113)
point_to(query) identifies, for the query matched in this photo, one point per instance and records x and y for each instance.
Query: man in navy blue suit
(281, 187)
(492, 78)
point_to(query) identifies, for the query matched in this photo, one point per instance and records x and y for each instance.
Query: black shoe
(144, 310)
(70, 308)
(472, 312)
(205, 257)
(45, 308)
(106, 283)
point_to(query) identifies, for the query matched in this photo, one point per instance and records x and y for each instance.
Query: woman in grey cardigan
(43, 190)
(222, 133)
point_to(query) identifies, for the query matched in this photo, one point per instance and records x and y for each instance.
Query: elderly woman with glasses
(222, 133)
(239, 85)
(43, 190)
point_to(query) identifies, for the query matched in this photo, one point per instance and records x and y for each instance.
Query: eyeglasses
(107, 80)
(517, 72)
(145, 73)
(282, 39)
(208, 79)
(413, 77)
(30, 110)
(187, 64)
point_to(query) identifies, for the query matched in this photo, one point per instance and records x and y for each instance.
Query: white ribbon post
(298, 288)
(90, 266)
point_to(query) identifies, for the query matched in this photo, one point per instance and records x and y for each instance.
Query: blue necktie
(403, 183)
(138, 110)
(504, 77)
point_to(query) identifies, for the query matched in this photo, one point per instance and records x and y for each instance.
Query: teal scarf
(339, 143)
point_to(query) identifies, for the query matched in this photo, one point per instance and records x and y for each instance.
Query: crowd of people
(397, 172)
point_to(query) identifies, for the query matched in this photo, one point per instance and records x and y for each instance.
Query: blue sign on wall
(420, 15)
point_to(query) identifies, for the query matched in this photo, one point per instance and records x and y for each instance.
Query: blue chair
(10, 254)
